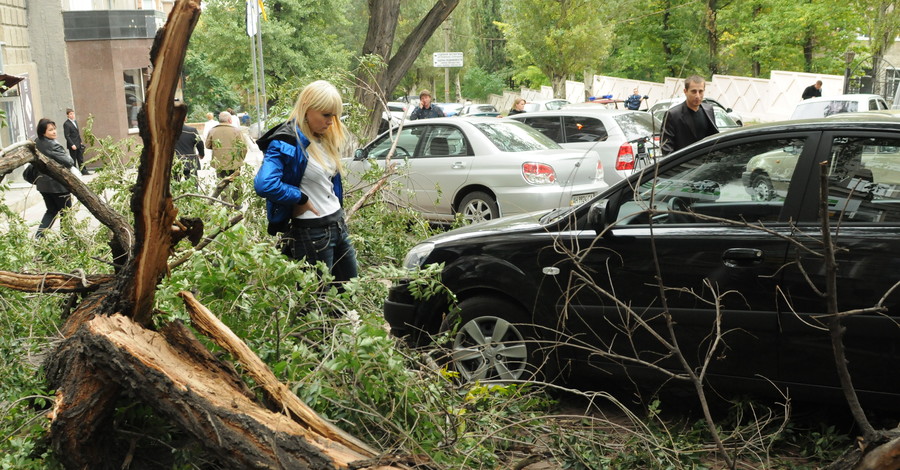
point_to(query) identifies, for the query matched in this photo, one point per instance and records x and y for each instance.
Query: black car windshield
(635, 125)
(513, 136)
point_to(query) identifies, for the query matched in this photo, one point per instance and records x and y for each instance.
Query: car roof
(844, 122)
(575, 111)
(848, 97)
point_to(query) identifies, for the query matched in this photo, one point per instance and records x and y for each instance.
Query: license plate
(579, 199)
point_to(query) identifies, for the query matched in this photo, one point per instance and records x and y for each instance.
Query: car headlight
(416, 256)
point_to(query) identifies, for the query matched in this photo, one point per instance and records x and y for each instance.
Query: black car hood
(514, 223)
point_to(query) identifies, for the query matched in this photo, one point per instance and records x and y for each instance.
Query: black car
(554, 291)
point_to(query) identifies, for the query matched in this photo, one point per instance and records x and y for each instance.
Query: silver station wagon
(482, 168)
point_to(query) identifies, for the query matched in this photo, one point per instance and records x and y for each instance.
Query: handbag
(30, 174)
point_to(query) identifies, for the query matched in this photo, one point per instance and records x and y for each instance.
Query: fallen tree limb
(53, 282)
(277, 392)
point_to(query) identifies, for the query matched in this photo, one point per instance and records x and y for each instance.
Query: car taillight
(598, 175)
(538, 173)
(625, 158)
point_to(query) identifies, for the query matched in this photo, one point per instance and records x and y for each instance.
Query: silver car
(624, 139)
(482, 168)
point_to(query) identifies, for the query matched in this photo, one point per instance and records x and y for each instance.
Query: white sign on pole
(448, 59)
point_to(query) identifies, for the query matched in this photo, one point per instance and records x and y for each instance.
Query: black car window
(584, 129)
(406, 143)
(864, 179)
(745, 181)
(444, 141)
(547, 125)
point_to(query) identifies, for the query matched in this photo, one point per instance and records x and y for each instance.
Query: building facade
(90, 55)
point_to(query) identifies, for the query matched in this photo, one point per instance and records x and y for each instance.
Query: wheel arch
(466, 190)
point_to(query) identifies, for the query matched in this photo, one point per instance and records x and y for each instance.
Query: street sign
(448, 59)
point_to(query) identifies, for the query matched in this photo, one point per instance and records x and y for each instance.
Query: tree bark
(379, 40)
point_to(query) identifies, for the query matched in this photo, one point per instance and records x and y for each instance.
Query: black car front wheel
(495, 343)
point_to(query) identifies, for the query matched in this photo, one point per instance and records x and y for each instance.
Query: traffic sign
(448, 59)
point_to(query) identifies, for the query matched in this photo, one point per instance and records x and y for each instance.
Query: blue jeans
(329, 244)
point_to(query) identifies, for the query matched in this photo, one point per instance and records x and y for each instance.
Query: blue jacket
(283, 166)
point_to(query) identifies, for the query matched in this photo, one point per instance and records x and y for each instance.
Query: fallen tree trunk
(173, 373)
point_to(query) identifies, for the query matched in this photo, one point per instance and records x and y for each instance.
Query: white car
(480, 167)
(545, 105)
(824, 107)
(624, 139)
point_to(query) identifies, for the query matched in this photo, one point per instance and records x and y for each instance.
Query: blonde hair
(325, 98)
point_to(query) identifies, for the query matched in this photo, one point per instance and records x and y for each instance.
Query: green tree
(759, 40)
(300, 38)
(561, 37)
(489, 45)
(479, 83)
(881, 23)
(204, 91)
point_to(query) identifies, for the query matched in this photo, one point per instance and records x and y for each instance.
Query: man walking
(228, 147)
(189, 148)
(690, 121)
(73, 140)
(426, 109)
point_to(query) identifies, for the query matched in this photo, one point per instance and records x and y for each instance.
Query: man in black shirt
(189, 148)
(689, 121)
(813, 91)
(426, 109)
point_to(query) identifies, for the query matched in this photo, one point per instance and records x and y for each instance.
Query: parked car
(545, 105)
(824, 107)
(397, 112)
(623, 138)
(725, 117)
(481, 168)
(574, 292)
(450, 109)
(479, 110)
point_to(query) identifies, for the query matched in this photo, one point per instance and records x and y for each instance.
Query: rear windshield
(820, 109)
(636, 125)
(514, 136)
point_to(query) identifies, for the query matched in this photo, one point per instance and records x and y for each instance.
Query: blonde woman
(518, 106)
(300, 178)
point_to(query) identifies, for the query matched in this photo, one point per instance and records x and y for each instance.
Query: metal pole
(447, 69)
(255, 77)
(262, 72)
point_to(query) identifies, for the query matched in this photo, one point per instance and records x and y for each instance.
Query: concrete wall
(756, 99)
(51, 87)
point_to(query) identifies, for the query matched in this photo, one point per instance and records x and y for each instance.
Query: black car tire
(761, 187)
(478, 206)
(478, 354)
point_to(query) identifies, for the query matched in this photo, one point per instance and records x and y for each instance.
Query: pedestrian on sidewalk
(56, 196)
(73, 140)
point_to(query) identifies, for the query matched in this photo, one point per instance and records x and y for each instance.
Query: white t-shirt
(317, 185)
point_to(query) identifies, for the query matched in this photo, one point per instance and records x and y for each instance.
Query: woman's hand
(305, 207)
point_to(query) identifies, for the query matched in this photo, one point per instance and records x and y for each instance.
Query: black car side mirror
(596, 218)
(360, 154)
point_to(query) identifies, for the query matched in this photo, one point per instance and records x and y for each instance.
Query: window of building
(135, 86)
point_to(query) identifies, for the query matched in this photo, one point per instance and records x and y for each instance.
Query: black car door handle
(738, 257)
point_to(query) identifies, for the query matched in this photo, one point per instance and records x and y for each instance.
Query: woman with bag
(56, 196)
(300, 178)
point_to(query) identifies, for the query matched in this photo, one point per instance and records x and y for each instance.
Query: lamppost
(848, 59)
